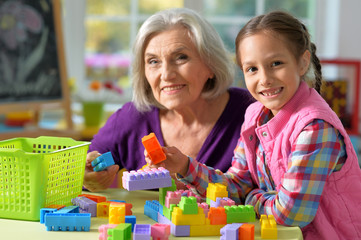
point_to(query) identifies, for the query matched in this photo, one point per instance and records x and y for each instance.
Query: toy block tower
(154, 149)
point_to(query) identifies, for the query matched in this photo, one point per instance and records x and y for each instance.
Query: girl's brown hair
(292, 30)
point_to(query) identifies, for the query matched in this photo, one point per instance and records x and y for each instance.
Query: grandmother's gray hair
(207, 41)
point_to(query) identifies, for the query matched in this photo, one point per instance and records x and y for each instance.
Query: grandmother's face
(174, 69)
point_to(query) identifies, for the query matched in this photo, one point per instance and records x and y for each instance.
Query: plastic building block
(95, 198)
(151, 209)
(246, 232)
(217, 216)
(67, 222)
(230, 231)
(154, 149)
(240, 214)
(178, 218)
(116, 213)
(128, 207)
(176, 230)
(146, 179)
(121, 232)
(215, 190)
(172, 198)
(268, 227)
(44, 211)
(103, 231)
(85, 205)
(142, 232)
(163, 192)
(167, 212)
(69, 209)
(102, 162)
(205, 207)
(188, 205)
(56, 206)
(132, 220)
(103, 209)
(160, 231)
(221, 202)
(205, 230)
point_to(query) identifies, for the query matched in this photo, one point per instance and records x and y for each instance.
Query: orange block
(217, 216)
(154, 149)
(95, 198)
(246, 232)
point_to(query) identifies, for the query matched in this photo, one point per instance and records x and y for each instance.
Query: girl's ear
(305, 62)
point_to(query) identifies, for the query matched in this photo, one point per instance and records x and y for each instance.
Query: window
(111, 27)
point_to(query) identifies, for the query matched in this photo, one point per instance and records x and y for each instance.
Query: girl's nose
(265, 78)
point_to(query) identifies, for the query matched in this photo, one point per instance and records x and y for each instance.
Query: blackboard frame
(63, 102)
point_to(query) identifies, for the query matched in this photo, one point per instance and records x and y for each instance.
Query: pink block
(160, 231)
(103, 231)
(172, 198)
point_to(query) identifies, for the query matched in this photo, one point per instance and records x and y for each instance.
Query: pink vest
(339, 212)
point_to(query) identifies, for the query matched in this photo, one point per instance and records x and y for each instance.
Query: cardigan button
(264, 134)
(250, 137)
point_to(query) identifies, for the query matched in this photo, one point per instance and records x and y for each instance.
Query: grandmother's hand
(98, 181)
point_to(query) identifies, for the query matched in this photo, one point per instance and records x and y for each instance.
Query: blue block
(102, 162)
(44, 211)
(131, 219)
(67, 221)
(151, 209)
(69, 209)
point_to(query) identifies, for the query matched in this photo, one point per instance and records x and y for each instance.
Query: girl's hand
(97, 181)
(176, 161)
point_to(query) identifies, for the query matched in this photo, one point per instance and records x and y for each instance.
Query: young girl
(294, 159)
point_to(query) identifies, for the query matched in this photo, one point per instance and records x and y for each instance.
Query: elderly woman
(181, 91)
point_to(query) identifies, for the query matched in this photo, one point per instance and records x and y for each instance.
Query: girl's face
(174, 69)
(271, 72)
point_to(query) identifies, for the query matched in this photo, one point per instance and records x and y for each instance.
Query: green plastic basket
(38, 172)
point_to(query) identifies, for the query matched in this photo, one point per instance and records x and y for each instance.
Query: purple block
(176, 230)
(230, 231)
(86, 205)
(146, 179)
(142, 232)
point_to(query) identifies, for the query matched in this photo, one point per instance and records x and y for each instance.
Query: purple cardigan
(122, 134)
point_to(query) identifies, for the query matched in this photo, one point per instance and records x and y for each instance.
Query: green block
(188, 205)
(163, 192)
(240, 214)
(167, 212)
(121, 232)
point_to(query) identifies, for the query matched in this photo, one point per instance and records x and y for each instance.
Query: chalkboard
(32, 60)
(30, 67)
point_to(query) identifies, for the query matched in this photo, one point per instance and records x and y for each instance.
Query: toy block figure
(230, 231)
(67, 222)
(240, 214)
(160, 231)
(103, 231)
(102, 162)
(146, 179)
(154, 149)
(188, 205)
(217, 216)
(268, 227)
(142, 232)
(121, 232)
(246, 232)
(116, 213)
(215, 190)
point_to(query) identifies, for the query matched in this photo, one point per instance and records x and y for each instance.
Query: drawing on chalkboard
(28, 54)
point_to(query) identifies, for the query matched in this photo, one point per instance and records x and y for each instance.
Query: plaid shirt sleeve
(315, 155)
(237, 178)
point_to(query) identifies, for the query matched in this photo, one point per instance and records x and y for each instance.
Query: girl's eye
(276, 63)
(251, 69)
